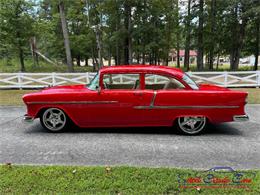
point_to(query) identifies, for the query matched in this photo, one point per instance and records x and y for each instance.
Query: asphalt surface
(236, 145)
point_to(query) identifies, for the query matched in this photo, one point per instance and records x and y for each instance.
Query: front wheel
(54, 120)
(191, 125)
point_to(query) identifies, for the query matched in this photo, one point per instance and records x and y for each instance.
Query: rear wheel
(54, 119)
(191, 125)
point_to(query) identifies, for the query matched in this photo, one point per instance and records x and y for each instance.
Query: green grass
(13, 66)
(14, 97)
(253, 94)
(100, 180)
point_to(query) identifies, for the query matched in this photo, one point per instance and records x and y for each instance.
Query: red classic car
(123, 96)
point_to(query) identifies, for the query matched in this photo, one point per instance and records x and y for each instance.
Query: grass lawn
(105, 180)
(14, 97)
(253, 94)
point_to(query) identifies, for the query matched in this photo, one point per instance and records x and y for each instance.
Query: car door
(167, 91)
(117, 101)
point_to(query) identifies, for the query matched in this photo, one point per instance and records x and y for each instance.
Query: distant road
(233, 144)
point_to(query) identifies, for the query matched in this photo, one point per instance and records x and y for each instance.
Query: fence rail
(41, 80)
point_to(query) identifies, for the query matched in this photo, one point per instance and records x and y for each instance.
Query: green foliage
(102, 180)
(16, 22)
(150, 30)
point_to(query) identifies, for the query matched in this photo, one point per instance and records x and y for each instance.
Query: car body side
(139, 107)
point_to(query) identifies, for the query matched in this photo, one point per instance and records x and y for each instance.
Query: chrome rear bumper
(28, 119)
(240, 118)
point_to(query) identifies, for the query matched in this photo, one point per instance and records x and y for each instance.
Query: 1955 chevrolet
(127, 96)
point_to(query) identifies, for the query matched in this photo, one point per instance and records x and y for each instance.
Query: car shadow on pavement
(219, 129)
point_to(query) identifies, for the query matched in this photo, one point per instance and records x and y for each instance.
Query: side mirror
(98, 88)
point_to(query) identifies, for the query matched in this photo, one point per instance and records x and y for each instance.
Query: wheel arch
(208, 118)
(43, 108)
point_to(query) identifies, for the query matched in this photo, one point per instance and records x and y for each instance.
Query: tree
(238, 25)
(188, 37)
(15, 28)
(200, 36)
(253, 32)
(66, 36)
(213, 5)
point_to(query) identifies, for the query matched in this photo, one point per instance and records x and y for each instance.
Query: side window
(121, 81)
(157, 82)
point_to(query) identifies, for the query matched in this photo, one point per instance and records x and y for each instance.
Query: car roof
(149, 69)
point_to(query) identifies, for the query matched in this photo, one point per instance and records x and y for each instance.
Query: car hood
(212, 87)
(65, 88)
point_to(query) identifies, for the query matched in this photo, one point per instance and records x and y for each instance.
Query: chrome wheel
(192, 124)
(54, 119)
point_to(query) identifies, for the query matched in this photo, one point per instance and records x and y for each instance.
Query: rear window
(189, 81)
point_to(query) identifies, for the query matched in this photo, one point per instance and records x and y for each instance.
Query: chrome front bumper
(240, 118)
(28, 119)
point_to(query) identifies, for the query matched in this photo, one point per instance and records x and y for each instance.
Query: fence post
(121, 78)
(87, 77)
(53, 79)
(225, 78)
(19, 79)
(258, 78)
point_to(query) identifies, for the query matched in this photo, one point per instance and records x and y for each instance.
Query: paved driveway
(233, 144)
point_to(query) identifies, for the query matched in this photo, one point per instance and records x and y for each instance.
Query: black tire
(191, 125)
(54, 120)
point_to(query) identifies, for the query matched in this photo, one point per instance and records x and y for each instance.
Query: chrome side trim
(76, 102)
(153, 98)
(240, 118)
(184, 107)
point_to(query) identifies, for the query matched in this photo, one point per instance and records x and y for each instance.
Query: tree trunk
(99, 47)
(78, 60)
(257, 44)
(143, 58)
(150, 58)
(86, 61)
(21, 54)
(178, 57)
(109, 56)
(238, 39)
(118, 56)
(66, 37)
(130, 51)
(212, 33)
(200, 37)
(138, 58)
(21, 57)
(178, 36)
(128, 39)
(187, 42)
(217, 61)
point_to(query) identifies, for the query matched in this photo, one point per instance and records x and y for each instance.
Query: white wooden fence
(41, 80)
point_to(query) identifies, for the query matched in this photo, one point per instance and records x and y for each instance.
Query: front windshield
(94, 83)
(189, 81)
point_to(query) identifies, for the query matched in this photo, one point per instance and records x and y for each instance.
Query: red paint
(93, 108)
